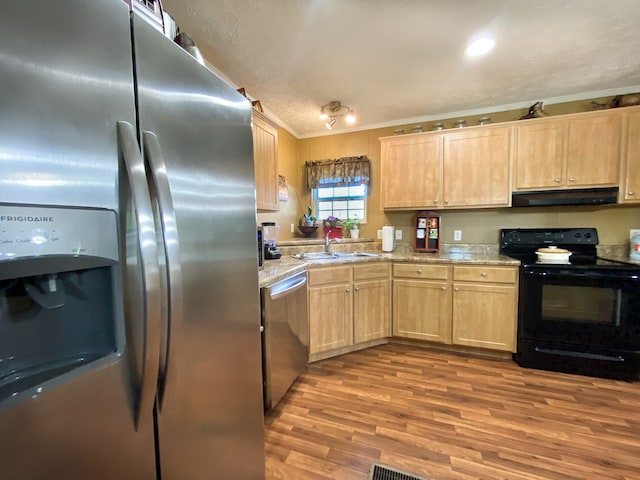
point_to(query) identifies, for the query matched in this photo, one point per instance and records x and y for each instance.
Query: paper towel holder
(388, 238)
(427, 228)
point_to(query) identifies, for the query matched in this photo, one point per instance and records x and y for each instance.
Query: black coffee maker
(269, 234)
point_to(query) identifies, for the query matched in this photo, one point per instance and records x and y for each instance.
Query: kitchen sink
(316, 256)
(334, 255)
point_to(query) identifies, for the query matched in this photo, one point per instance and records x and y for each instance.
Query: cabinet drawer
(420, 270)
(376, 270)
(485, 274)
(324, 276)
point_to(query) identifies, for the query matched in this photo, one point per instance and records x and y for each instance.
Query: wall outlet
(457, 235)
(293, 228)
(398, 234)
(379, 234)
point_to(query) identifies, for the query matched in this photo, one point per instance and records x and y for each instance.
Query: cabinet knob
(572, 179)
(419, 271)
(484, 274)
(446, 201)
(348, 290)
(357, 289)
(435, 201)
(631, 192)
(456, 289)
(443, 288)
(558, 180)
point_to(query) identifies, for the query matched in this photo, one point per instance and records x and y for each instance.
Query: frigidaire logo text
(25, 218)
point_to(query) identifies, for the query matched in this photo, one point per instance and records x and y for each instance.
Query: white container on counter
(388, 235)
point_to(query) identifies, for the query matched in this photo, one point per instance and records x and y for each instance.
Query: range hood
(585, 196)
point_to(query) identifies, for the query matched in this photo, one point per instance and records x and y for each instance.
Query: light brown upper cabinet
(571, 151)
(265, 158)
(411, 171)
(630, 182)
(477, 167)
(470, 168)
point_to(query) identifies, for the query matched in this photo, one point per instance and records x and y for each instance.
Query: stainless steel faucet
(328, 241)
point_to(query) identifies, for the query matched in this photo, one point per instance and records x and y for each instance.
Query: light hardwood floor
(446, 416)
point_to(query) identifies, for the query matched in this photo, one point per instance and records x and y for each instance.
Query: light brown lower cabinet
(422, 302)
(348, 305)
(472, 306)
(485, 306)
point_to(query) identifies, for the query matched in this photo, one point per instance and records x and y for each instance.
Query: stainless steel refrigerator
(129, 300)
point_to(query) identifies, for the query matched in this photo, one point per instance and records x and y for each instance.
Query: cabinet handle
(484, 274)
(572, 179)
(558, 180)
(357, 289)
(348, 290)
(631, 192)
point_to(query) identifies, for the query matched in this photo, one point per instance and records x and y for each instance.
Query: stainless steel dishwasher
(285, 335)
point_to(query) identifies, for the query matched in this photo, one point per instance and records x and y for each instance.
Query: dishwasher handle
(285, 287)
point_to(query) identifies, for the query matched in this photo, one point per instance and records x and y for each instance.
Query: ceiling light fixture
(330, 123)
(334, 109)
(480, 46)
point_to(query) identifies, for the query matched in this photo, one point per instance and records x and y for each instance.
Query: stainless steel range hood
(585, 196)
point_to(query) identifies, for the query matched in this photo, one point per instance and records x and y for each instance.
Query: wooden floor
(446, 416)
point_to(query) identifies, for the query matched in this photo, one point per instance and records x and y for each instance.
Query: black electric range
(582, 316)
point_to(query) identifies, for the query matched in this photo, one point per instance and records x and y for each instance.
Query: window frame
(363, 198)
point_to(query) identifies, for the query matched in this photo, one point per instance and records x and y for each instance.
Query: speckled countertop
(274, 270)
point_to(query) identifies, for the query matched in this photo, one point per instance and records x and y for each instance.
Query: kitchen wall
(479, 226)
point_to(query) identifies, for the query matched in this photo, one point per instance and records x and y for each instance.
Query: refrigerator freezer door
(66, 76)
(210, 421)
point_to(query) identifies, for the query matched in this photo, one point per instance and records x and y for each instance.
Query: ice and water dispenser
(59, 294)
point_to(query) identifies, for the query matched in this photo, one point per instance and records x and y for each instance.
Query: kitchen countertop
(274, 270)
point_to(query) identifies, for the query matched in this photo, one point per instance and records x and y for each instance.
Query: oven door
(580, 321)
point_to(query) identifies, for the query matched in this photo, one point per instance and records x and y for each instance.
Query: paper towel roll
(388, 234)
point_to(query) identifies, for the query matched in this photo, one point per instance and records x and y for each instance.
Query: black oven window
(590, 305)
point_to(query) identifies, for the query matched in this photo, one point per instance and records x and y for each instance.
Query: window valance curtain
(339, 172)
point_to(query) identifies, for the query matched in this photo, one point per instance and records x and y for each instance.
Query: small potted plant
(352, 225)
(307, 223)
(332, 226)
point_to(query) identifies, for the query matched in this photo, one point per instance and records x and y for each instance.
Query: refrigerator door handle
(172, 274)
(146, 232)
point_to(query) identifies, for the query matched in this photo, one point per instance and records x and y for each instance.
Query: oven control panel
(549, 236)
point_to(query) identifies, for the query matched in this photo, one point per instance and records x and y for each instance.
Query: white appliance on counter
(139, 357)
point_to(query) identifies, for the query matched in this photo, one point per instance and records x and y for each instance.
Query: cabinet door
(421, 310)
(630, 185)
(484, 316)
(477, 168)
(265, 157)
(539, 156)
(371, 310)
(330, 318)
(411, 172)
(593, 150)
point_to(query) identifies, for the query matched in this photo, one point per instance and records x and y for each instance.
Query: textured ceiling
(400, 61)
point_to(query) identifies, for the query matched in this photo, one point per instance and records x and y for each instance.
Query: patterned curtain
(339, 172)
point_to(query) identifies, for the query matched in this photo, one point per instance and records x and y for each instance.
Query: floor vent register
(382, 472)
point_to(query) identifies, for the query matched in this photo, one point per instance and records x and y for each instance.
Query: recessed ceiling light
(480, 46)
